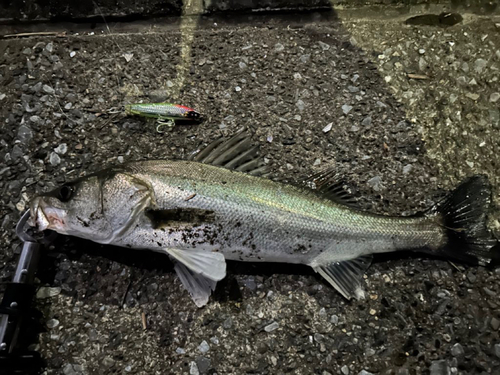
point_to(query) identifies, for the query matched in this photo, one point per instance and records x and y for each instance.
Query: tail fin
(464, 214)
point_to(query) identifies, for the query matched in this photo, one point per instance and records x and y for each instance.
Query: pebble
(242, 65)
(353, 88)
(47, 89)
(334, 319)
(457, 350)
(407, 168)
(203, 364)
(204, 347)
(237, 89)
(180, 351)
(193, 369)
(345, 370)
(364, 372)
(24, 133)
(49, 47)
(16, 153)
(479, 65)
(494, 97)
(346, 108)
(440, 368)
(421, 51)
(54, 159)
(374, 183)
(72, 54)
(71, 369)
(271, 327)
(47, 292)
(278, 47)
(61, 149)
(108, 362)
(52, 323)
(2, 96)
(295, 76)
(472, 96)
(300, 105)
(328, 127)
(324, 46)
(495, 324)
(367, 121)
(496, 348)
(68, 106)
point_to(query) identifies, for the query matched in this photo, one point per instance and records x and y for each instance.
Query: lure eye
(65, 193)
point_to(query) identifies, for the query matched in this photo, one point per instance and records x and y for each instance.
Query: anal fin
(199, 287)
(209, 264)
(346, 276)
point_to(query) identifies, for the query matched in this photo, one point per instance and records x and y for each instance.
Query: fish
(165, 113)
(221, 204)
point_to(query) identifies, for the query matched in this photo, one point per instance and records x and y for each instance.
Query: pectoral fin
(205, 263)
(198, 286)
(346, 276)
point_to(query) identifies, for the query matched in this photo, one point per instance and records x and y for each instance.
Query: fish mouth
(43, 216)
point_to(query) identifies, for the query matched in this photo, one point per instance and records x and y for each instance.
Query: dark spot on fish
(159, 244)
(238, 224)
(84, 223)
(179, 216)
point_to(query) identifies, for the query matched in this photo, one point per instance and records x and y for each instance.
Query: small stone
(364, 372)
(2, 96)
(193, 369)
(228, 323)
(465, 67)
(269, 138)
(48, 89)
(373, 311)
(54, 159)
(304, 59)
(68, 106)
(440, 368)
(421, 51)
(237, 89)
(61, 149)
(345, 370)
(375, 182)
(354, 128)
(278, 47)
(346, 108)
(324, 46)
(297, 117)
(242, 65)
(47, 292)
(317, 162)
(128, 56)
(422, 64)
(297, 76)
(69, 369)
(180, 351)
(271, 327)
(214, 340)
(128, 368)
(472, 96)
(473, 82)
(300, 105)
(49, 47)
(494, 97)
(170, 84)
(204, 347)
(72, 54)
(407, 168)
(367, 121)
(27, 51)
(334, 319)
(353, 88)
(52, 323)
(108, 362)
(469, 163)
(203, 364)
(328, 127)
(479, 65)
(495, 324)
(24, 134)
(457, 350)
(496, 348)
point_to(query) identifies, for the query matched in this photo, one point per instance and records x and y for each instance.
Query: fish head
(98, 207)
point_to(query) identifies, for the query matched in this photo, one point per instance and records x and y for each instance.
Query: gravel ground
(313, 94)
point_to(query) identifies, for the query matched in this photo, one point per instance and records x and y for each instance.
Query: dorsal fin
(330, 184)
(236, 153)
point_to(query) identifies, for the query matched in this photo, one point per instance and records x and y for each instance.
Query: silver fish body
(219, 207)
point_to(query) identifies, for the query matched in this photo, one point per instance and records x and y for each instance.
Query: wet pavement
(403, 112)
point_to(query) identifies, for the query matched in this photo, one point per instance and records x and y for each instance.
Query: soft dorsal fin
(236, 153)
(329, 184)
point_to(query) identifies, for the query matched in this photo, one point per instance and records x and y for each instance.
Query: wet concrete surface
(316, 93)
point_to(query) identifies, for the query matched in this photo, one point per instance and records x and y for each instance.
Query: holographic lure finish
(164, 111)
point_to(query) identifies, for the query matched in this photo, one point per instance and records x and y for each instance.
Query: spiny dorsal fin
(236, 153)
(346, 276)
(330, 185)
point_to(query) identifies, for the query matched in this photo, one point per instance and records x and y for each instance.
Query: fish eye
(65, 193)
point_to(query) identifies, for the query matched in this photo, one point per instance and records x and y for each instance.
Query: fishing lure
(166, 114)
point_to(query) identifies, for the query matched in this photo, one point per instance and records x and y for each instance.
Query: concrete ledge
(12, 11)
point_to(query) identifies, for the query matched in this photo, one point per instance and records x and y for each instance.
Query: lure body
(166, 114)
